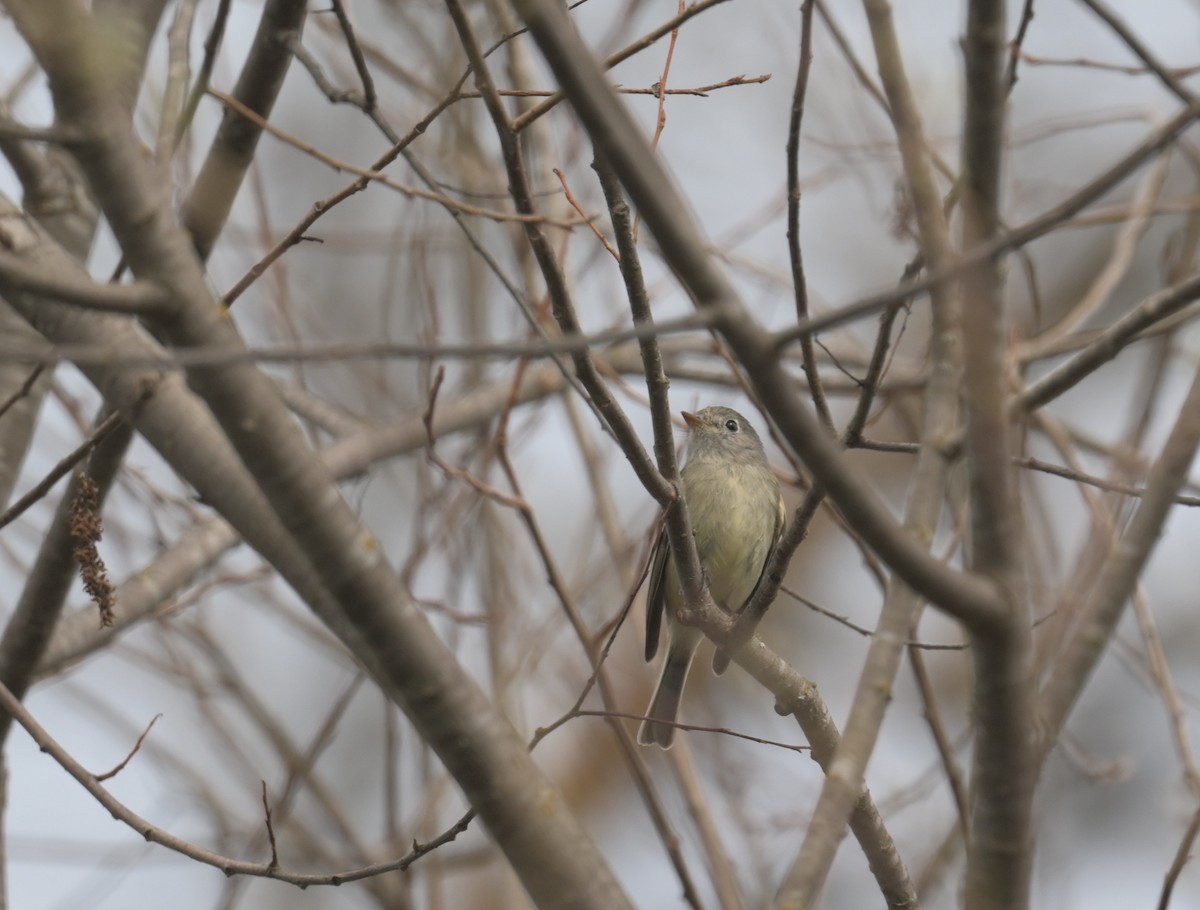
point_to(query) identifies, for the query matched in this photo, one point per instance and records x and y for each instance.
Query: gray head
(718, 431)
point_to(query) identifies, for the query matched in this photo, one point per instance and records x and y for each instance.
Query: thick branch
(999, 857)
(232, 150)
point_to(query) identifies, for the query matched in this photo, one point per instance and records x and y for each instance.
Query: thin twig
(696, 728)
(1011, 240)
(60, 470)
(360, 63)
(132, 752)
(274, 863)
(23, 389)
(375, 175)
(799, 283)
(587, 219)
(1018, 43)
(945, 748)
(636, 47)
(1135, 44)
(227, 865)
(1183, 854)
(570, 343)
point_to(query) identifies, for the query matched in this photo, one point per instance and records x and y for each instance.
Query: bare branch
(1120, 572)
(120, 766)
(1140, 49)
(157, 835)
(211, 198)
(136, 298)
(60, 470)
(1004, 768)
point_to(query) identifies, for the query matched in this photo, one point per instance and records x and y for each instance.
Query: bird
(737, 516)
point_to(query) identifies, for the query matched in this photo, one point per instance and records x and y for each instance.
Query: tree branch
(1120, 573)
(1004, 771)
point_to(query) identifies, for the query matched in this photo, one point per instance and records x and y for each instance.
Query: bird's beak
(691, 419)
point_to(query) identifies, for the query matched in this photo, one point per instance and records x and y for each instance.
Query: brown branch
(1004, 765)
(173, 104)
(1178, 72)
(1183, 853)
(807, 874)
(630, 50)
(660, 120)
(60, 470)
(94, 354)
(697, 728)
(700, 91)
(1108, 344)
(212, 44)
(1160, 674)
(137, 298)
(376, 176)
(551, 269)
(356, 54)
(1134, 225)
(588, 220)
(1114, 22)
(211, 198)
(23, 390)
(799, 283)
(945, 748)
(1100, 483)
(625, 741)
(107, 775)
(1012, 239)
(1017, 45)
(479, 486)
(274, 863)
(57, 135)
(1120, 572)
(863, 630)
(229, 866)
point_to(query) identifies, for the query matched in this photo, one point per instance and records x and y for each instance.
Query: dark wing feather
(780, 521)
(655, 599)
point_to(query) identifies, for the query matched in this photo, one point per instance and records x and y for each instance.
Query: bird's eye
(732, 425)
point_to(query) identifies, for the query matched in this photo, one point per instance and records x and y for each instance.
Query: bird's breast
(733, 510)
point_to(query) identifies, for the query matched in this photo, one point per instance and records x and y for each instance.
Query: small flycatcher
(737, 515)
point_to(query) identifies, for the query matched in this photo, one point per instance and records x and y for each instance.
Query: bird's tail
(659, 725)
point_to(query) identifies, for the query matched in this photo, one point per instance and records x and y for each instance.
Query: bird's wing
(780, 521)
(655, 599)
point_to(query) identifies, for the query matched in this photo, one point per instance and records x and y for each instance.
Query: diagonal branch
(1119, 576)
(10, 704)
(211, 198)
